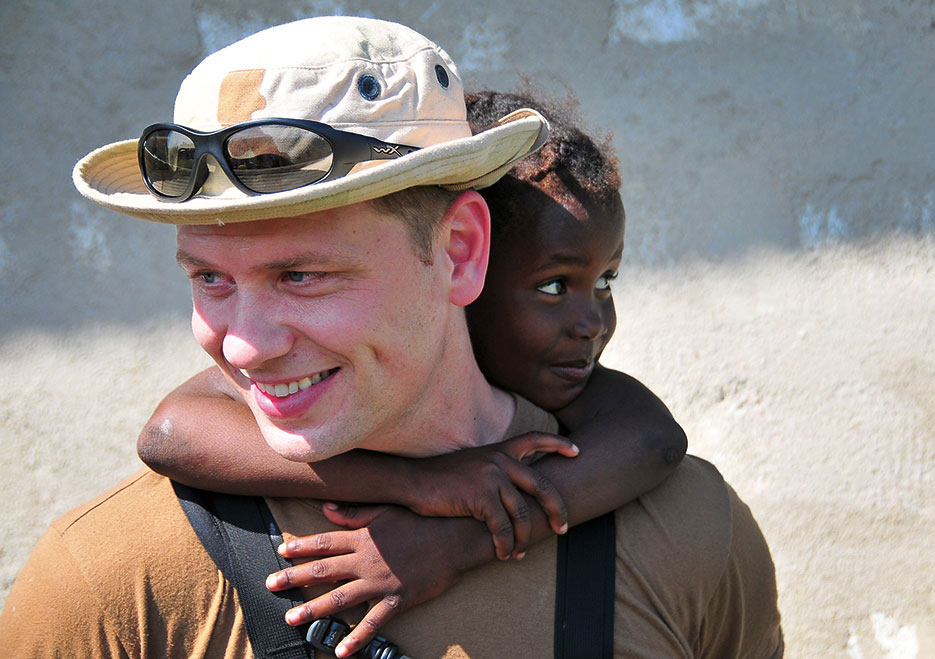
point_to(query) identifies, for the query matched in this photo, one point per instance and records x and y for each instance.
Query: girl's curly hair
(571, 168)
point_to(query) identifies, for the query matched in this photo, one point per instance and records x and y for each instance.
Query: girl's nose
(590, 322)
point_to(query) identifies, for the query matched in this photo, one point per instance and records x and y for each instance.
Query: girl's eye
(554, 287)
(603, 282)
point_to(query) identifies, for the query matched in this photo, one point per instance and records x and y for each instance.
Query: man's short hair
(423, 210)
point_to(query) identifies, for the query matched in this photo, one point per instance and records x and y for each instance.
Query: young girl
(538, 329)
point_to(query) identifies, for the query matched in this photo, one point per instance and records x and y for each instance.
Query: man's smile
(283, 389)
(291, 399)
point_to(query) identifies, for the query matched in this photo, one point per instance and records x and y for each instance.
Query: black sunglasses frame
(348, 149)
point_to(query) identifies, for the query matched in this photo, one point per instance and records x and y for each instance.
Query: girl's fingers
(320, 544)
(343, 597)
(538, 486)
(319, 571)
(378, 615)
(528, 444)
(353, 517)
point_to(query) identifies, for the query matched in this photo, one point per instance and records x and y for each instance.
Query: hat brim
(110, 176)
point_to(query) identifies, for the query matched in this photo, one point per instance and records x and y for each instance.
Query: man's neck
(458, 409)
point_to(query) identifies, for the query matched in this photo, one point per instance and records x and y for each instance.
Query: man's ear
(467, 246)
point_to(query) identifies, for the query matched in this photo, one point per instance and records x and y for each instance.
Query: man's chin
(295, 445)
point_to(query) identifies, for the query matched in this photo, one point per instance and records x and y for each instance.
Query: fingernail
(563, 529)
(282, 548)
(293, 618)
(331, 506)
(272, 581)
(520, 555)
(574, 447)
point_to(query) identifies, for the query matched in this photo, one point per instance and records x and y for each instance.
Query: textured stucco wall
(740, 123)
(785, 134)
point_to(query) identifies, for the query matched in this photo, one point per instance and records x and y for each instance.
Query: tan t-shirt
(125, 575)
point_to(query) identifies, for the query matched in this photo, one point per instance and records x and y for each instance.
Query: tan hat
(360, 75)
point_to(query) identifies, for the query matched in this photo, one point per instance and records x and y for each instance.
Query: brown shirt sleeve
(52, 611)
(123, 576)
(742, 619)
(694, 574)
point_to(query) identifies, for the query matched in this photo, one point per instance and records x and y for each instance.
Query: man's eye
(603, 282)
(212, 283)
(555, 287)
(298, 277)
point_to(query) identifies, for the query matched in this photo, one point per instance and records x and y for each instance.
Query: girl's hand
(487, 483)
(378, 563)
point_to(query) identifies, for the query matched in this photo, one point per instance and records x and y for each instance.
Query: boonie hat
(360, 75)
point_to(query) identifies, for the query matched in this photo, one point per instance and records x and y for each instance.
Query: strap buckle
(326, 633)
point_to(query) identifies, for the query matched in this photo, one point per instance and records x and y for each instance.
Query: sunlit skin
(340, 296)
(546, 312)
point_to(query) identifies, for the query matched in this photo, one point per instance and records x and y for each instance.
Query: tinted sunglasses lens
(277, 157)
(168, 159)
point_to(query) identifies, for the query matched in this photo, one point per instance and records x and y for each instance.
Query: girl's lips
(574, 371)
(292, 400)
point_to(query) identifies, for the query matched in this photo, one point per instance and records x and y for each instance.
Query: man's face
(328, 324)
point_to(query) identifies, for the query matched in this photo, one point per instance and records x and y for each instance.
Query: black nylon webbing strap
(241, 536)
(584, 597)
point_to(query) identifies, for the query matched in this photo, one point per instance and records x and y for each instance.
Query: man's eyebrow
(188, 261)
(298, 261)
(312, 259)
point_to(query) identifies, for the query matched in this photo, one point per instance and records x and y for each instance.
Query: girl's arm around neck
(203, 436)
(200, 435)
(629, 443)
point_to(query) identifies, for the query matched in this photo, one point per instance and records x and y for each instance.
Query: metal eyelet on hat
(442, 76)
(368, 86)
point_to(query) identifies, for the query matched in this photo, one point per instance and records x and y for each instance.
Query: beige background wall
(779, 290)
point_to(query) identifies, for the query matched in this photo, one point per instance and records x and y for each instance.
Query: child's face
(546, 311)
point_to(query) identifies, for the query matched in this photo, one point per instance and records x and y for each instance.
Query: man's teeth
(284, 389)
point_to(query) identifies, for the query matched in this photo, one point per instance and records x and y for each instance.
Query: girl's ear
(467, 247)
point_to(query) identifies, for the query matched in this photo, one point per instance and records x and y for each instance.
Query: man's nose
(255, 335)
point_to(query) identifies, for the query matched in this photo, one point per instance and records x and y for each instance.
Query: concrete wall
(739, 123)
(777, 154)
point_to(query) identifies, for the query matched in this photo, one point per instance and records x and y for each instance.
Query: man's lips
(292, 399)
(283, 389)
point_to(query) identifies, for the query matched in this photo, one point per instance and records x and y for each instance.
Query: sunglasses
(259, 157)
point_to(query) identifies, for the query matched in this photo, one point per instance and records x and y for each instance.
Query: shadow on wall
(95, 268)
(739, 125)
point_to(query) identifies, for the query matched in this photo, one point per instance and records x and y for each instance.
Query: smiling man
(321, 176)
(349, 342)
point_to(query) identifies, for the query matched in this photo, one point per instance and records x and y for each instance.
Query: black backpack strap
(584, 597)
(241, 536)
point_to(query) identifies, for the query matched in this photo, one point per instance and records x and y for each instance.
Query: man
(329, 287)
